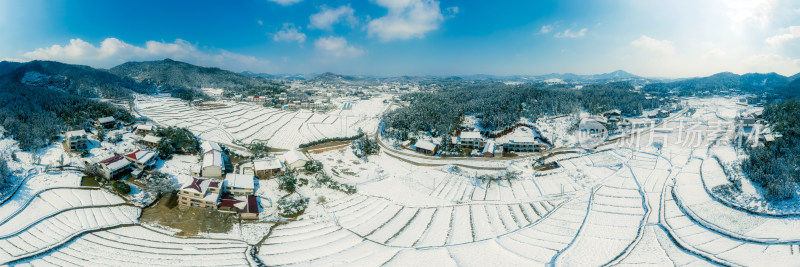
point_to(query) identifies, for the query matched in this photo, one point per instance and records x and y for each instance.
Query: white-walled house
(213, 165)
(294, 160)
(240, 184)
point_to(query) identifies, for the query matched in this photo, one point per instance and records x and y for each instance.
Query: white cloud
(569, 34)
(337, 46)
(792, 33)
(260, 22)
(652, 45)
(546, 28)
(289, 33)
(451, 11)
(326, 18)
(113, 51)
(406, 19)
(286, 2)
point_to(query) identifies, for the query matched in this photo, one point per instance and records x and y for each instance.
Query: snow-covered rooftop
(425, 145)
(76, 133)
(115, 163)
(519, 135)
(267, 164)
(145, 127)
(209, 146)
(293, 156)
(151, 139)
(106, 119)
(240, 180)
(471, 135)
(213, 158)
(141, 156)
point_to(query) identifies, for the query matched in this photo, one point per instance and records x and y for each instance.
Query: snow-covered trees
(499, 106)
(292, 206)
(4, 173)
(365, 146)
(313, 166)
(159, 183)
(176, 139)
(774, 166)
(287, 181)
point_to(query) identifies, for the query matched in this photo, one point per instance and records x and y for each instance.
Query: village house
(266, 168)
(106, 122)
(472, 140)
(200, 193)
(426, 147)
(151, 140)
(113, 167)
(522, 139)
(144, 129)
(246, 206)
(141, 158)
(614, 115)
(293, 160)
(76, 141)
(239, 184)
(213, 164)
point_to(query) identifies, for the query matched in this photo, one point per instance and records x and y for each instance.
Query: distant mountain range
(749, 83)
(615, 75)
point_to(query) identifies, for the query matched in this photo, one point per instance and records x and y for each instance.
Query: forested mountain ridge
(170, 75)
(39, 100)
(74, 79)
(747, 83)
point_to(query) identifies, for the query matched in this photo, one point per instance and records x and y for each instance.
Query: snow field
(139, 246)
(54, 230)
(315, 242)
(248, 122)
(382, 222)
(721, 248)
(53, 201)
(612, 224)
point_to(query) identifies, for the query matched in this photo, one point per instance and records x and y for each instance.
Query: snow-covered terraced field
(51, 202)
(139, 246)
(383, 222)
(248, 122)
(52, 231)
(722, 248)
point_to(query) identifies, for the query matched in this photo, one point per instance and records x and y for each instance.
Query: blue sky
(414, 37)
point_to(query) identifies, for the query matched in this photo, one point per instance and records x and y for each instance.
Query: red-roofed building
(200, 193)
(113, 167)
(245, 206)
(142, 158)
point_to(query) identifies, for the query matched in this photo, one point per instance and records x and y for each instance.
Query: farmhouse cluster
(521, 138)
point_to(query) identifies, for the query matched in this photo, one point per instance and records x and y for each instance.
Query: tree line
(774, 165)
(498, 106)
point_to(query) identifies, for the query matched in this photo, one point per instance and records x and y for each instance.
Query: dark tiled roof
(252, 205)
(195, 185)
(111, 159)
(228, 201)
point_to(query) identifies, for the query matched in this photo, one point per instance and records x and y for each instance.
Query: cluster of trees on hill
(499, 106)
(175, 140)
(183, 79)
(35, 115)
(774, 166)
